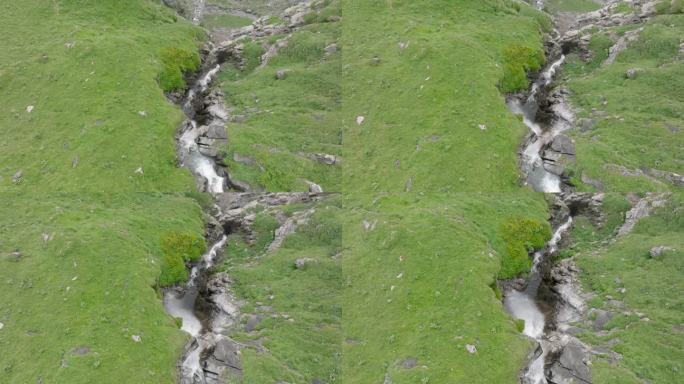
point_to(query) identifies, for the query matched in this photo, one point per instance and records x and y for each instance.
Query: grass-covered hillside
(635, 316)
(431, 181)
(425, 77)
(631, 126)
(284, 123)
(81, 232)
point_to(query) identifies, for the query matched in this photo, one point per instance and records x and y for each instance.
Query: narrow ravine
(527, 305)
(547, 117)
(206, 305)
(549, 300)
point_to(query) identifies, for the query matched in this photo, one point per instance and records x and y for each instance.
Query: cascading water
(523, 305)
(188, 151)
(542, 134)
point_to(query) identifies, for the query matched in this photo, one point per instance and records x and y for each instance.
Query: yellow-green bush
(521, 237)
(179, 248)
(518, 60)
(175, 62)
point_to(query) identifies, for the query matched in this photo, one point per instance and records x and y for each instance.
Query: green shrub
(179, 248)
(173, 270)
(175, 62)
(521, 237)
(520, 325)
(518, 60)
(188, 246)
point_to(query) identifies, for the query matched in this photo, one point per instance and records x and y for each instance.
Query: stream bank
(206, 306)
(549, 300)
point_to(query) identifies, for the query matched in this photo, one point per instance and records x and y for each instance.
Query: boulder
(632, 73)
(571, 366)
(657, 252)
(281, 74)
(303, 262)
(409, 363)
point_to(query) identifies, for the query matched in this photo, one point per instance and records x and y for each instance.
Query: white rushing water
(523, 306)
(189, 153)
(532, 163)
(182, 305)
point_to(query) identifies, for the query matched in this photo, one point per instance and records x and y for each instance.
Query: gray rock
(331, 49)
(657, 252)
(224, 356)
(409, 363)
(81, 351)
(17, 177)
(602, 317)
(303, 262)
(409, 185)
(571, 366)
(632, 73)
(563, 144)
(281, 74)
(217, 132)
(252, 323)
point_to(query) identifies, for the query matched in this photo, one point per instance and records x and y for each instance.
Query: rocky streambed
(206, 305)
(549, 299)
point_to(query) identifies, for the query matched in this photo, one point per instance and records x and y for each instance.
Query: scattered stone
(369, 226)
(139, 171)
(403, 45)
(313, 187)
(81, 351)
(69, 44)
(471, 348)
(17, 177)
(252, 323)
(360, 120)
(142, 113)
(29, 109)
(602, 317)
(303, 262)
(657, 252)
(74, 162)
(2, 325)
(281, 74)
(331, 49)
(136, 338)
(409, 185)
(409, 363)
(632, 73)
(388, 379)
(482, 127)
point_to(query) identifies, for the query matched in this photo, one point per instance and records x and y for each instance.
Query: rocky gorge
(206, 306)
(550, 301)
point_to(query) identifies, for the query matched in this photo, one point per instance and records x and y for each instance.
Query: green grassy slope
(70, 304)
(418, 285)
(289, 120)
(647, 327)
(420, 255)
(90, 286)
(424, 76)
(87, 98)
(631, 124)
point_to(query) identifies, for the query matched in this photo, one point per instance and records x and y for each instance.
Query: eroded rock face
(558, 154)
(572, 365)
